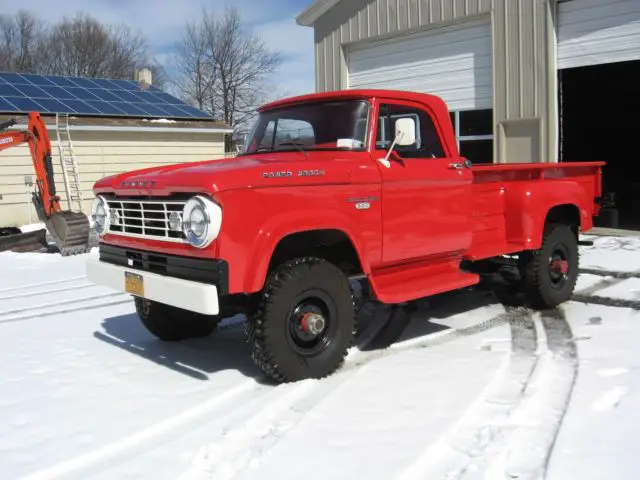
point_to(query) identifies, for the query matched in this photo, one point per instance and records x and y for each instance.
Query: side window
(427, 140)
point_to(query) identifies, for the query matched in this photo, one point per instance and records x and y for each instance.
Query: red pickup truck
(330, 187)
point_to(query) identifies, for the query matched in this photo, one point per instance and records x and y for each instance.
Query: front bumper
(177, 292)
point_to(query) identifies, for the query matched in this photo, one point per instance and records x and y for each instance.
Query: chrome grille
(145, 218)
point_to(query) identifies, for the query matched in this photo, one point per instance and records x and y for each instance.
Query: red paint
(424, 217)
(560, 266)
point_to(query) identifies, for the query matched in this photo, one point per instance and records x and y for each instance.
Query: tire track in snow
(246, 444)
(36, 285)
(258, 429)
(539, 417)
(476, 435)
(589, 294)
(127, 444)
(46, 310)
(610, 273)
(241, 445)
(509, 432)
(47, 292)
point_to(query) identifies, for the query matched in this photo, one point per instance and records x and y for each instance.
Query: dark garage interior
(599, 107)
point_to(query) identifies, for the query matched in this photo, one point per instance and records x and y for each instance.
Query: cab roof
(355, 94)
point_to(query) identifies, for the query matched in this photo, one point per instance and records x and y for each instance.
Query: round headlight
(201, 221)
(198, 221)
(100, 215)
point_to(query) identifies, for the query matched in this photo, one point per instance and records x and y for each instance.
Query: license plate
(134, 284)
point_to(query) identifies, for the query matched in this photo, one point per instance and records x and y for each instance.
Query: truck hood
(212, 176)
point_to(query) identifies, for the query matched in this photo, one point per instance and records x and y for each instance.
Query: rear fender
(528, 207)
(281, 226)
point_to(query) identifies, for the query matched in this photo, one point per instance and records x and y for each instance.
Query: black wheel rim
(559, 267)
(311, 323)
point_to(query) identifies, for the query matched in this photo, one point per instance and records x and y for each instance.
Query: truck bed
(509, 201)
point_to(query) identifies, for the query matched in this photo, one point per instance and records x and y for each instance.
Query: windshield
(321, 126)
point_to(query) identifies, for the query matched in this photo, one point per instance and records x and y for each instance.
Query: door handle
(460, 165)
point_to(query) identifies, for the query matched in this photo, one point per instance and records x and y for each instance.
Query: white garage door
(453, 62)
(592, 32)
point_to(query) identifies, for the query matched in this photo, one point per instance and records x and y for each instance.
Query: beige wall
(523, 59)
(99, 154)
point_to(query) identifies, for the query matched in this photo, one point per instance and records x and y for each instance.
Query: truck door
(426, 193)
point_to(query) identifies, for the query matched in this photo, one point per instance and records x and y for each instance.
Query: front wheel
(305, 322)
(172, 324)
(550, 273)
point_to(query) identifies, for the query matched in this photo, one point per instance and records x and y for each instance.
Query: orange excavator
(70, 230)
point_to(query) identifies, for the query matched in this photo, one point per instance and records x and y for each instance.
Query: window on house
(474, 134)
(427, 142)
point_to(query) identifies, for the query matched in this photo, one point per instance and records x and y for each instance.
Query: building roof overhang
(314, 11)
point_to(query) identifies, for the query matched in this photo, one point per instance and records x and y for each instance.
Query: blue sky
(162, 20)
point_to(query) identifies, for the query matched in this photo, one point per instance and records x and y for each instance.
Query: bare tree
(196, 75)
(19, 36)
(225, 69)
(83, 46)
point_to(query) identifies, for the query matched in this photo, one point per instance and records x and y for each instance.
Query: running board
(405, 283)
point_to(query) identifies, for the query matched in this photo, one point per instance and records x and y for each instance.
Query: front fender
(280, 226)
(255, 220)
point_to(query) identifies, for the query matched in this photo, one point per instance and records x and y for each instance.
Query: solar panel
(23, 93)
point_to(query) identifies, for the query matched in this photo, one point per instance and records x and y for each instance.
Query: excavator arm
(70, 230)
(37, 138)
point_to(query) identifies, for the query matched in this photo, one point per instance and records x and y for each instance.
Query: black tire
(280, 344)
(509, 295)
(507, 287)
(547, 283)
(171, 324)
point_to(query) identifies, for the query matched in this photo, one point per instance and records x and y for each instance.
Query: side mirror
(405, 135)
(405, 131)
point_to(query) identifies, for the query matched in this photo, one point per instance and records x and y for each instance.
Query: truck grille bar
(145, 218)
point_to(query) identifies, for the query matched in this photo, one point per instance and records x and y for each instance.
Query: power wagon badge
(299, 173)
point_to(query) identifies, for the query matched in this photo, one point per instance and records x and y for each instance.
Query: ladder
(70, 171)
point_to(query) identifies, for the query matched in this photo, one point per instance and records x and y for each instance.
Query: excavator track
(70, 232)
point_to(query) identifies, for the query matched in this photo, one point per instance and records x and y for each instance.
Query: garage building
(526, 80)
(100, 144)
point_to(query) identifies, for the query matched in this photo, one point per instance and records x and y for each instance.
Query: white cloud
(161, 21)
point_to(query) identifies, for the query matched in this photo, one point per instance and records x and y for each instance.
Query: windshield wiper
(295, 144)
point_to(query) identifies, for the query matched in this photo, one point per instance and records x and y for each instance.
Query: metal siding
(392, 15)
(592, 32)
(520, 75)
(514, 47)
(383, 16)
(414, 13)
(372, 13)
(447, 10)
(437, 11)
(363, 24)
(425, 12)
(369, 19)
(453, 62)
(403, 15)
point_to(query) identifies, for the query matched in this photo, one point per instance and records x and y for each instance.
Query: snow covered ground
(468, 391)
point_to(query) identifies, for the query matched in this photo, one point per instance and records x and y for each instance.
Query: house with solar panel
(98, 127)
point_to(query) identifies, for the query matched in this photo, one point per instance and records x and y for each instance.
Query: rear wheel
(550, 273)
(305, 322)
(171, 324)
